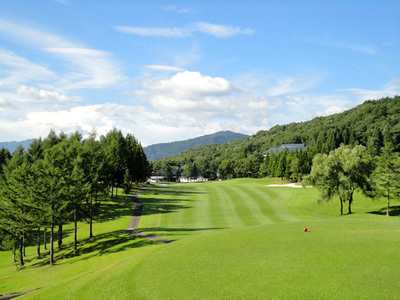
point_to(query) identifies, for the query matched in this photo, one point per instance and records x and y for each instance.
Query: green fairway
(232, 239)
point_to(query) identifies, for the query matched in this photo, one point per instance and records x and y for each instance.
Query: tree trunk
(350, 202)
(112, 191)
(14, 250)
(91, 215)
(21, 251)
(341, 206)
(60, 229)
(38, 242)
(90, 223)
(388, 202)
(23, 243)
(76, 229)
(51, 244)
(45, 238)
(116, 192)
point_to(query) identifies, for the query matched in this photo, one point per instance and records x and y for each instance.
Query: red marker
(305, 229)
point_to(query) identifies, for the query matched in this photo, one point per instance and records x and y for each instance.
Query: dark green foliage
(4, 157)
(388, 174)
(341, 173)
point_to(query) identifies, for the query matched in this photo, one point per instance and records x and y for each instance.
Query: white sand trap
(163, 185)
(292, 185)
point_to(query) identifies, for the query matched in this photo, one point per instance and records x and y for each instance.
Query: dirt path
(11, 296)
(133, 225)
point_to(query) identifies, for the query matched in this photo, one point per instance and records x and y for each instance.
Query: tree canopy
(341, 173)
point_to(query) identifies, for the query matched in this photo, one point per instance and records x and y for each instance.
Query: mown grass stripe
(268, 200)
(244, 205)
(228, 207)
(232, 207)
(268, 214)
(215, 207)
(202, 218)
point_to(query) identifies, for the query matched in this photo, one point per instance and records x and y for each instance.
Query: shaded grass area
(109, 245)
(393, 211)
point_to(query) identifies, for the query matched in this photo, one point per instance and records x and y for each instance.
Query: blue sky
(168, 71)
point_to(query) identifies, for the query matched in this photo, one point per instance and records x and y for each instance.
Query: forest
(60, 179)
(368, 124)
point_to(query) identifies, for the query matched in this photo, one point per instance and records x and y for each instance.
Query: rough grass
(232, 239)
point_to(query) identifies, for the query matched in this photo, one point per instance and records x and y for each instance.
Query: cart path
(11, 296)
(133, 225)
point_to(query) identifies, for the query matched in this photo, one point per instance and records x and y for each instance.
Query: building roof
(290, 147)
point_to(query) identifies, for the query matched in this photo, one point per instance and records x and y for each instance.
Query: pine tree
(388, 174)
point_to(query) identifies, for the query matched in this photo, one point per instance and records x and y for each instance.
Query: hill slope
(164, 150)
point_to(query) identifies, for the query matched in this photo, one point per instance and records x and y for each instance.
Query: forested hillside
(164, 150)
(366, 124)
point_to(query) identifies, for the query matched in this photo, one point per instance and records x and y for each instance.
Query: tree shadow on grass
(393, 211)
(161, 190)
(162, 206)
(164, 231)
(115, 208)
(102, 244)
(156, 229)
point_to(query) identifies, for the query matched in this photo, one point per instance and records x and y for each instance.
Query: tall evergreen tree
(388, 174)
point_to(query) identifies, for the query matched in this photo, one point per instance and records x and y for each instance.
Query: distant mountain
(11, 146)
(164, 150)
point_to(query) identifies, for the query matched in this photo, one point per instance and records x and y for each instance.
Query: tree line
(60, 179)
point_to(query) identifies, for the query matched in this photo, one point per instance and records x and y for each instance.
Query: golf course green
(235, 239)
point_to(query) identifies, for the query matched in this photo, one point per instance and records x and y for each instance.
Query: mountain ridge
(165, 150)
(11, 146)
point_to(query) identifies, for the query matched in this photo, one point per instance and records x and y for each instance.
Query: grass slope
(232, 239)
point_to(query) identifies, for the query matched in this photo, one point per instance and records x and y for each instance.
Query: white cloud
(204, 104)
(164, 68)
(41, 94)
(221, 31)
(391, 89)
(289, 85)
(305, 107)
(360, 48)
(179, 10)
(16, 70)
(29, 35)
(216, 30)
(331, 110)
(159, 32)
(187, 91)
(90, 68)
(188, 84)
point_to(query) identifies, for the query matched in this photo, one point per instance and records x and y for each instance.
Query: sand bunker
(292, 185)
